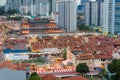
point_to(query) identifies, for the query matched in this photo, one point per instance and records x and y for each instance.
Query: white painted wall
(97, 62)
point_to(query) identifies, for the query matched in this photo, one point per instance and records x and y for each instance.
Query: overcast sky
(2, 2)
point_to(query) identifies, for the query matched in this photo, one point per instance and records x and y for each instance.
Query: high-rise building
(53, 6)
(107, 17)
(67, 15)
(115, 16)
(25, 2)
(94, 13)
(24, 10)
(111, 17)
(41, 7)
(99, 13)
(19, 5)
(87, 0)
(12, 4)
(104, 13)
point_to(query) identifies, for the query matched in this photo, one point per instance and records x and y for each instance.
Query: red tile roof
(22, 66)
(49, 77)
(85, 56)
(75, 78)
(102, 56)
(9, 65)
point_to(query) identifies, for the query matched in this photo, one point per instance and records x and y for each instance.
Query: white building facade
(24, 10)
(104, 13)
(106, 17)
(39, 9)
(111, 17)
(67, 15)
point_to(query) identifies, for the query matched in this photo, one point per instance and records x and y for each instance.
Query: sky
(2, 2)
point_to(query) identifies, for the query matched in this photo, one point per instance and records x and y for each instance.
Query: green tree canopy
(82, 68)
(12, 11)
(114, 68)
(34, 76)
(2, 10)
(83, 27)
(64, 53)
(29, 13)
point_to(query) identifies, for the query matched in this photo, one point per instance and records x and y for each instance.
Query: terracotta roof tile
(102, 56)
(75, 78)
(85, 56)
(8, 64)
(49, 77)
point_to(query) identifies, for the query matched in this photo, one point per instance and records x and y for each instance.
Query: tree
(83, 27)
(34, 76)
(18, 18)
(12, 12)
(64, 53)
(114, 69)
(29, 13)
(42, 59)
(103, 74)
(82, 68)
(2, 10)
